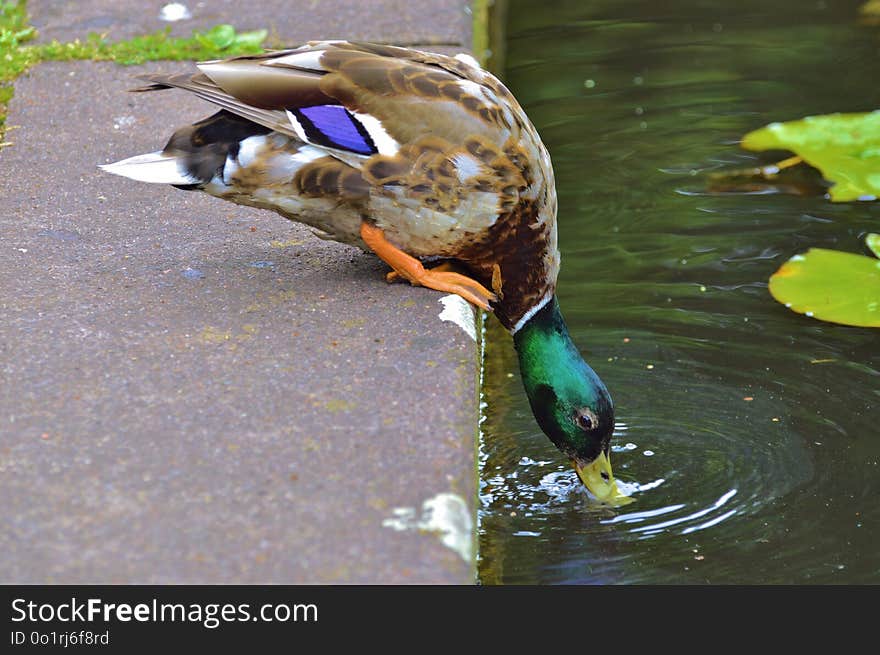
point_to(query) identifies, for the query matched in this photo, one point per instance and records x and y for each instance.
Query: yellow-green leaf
(839, 287)
(251, 39)
(870, 9)
(873, 241)
(844, 147)
(221, 36)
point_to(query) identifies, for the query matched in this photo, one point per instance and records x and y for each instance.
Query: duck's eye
(586, 420)
(604, 476)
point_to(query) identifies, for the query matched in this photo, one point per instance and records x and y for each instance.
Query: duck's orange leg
(394, 276)
(411, 269)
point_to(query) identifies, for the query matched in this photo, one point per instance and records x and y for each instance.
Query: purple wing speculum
(335, 127)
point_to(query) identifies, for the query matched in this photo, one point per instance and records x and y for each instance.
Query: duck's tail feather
(194, 155)
(157, 167)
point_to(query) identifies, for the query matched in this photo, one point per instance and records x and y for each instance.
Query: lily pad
(834, 286)
(844, 147)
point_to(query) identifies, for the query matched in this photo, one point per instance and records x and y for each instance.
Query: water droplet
(648, 453)
(590, 83)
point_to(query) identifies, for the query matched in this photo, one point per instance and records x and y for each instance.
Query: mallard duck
(415, 157)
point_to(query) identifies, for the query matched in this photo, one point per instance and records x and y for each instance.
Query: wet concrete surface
(197, 392)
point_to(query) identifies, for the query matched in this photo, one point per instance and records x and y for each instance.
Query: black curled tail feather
(203, 147)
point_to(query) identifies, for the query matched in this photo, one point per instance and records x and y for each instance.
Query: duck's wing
(354, 97)
(432, 149)
(433, 135)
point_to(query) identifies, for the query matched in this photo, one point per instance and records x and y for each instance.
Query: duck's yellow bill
(599, 479)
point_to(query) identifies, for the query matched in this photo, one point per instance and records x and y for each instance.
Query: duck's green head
(569, 401)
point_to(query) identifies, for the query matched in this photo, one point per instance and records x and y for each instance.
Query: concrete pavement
(439, 22)
(197, 392)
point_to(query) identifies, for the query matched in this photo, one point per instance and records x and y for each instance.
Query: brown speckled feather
(433, 149)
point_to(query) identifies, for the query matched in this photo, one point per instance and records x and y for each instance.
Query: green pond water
(748, 435)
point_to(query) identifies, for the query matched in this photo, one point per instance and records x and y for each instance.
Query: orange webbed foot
(441, 278)
(394, 276)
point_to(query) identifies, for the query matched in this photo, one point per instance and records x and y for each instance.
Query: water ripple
(744, 431)
(636, 517)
